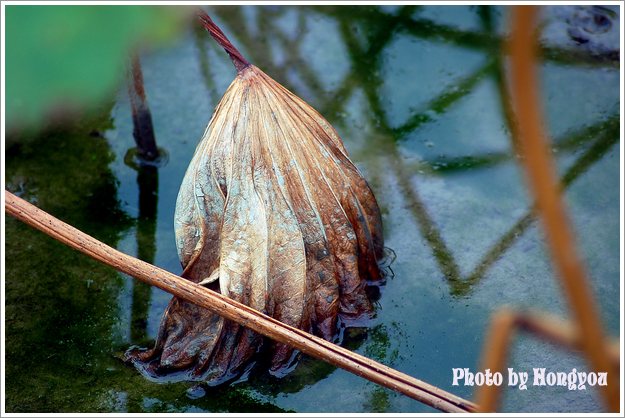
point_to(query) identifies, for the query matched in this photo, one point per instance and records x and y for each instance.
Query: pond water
(417, 95)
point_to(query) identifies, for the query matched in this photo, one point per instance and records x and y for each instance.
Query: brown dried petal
(273, 209)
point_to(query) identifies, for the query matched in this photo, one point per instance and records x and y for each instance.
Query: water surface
(417, 95)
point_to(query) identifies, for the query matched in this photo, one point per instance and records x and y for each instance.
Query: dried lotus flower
(271, 213)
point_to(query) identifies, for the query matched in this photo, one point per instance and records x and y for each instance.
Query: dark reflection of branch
(370, 82)
(462, 287)
(366, 63)
(293, 58)
(257, 48)
(147, 180)
(427, 29)
(444, 100)
(449, 165)
(202, 43)
(429, 231)
(485, 15)
(421, 28)
(608, 136)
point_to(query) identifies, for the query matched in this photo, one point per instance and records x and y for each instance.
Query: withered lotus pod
(271, 213)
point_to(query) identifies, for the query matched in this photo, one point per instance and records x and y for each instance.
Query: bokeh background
(417, 94)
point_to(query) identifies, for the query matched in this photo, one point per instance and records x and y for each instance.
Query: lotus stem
(235, 311)
(143, 131)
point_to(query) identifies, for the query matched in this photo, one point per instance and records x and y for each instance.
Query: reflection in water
(144, 162)
(605, 135)
(143, 130)
(278, 39)
(202, 43)
(147, 180)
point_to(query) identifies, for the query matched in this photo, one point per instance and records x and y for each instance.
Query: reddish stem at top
(238, 60)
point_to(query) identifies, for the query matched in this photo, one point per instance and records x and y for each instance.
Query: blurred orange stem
(540, 169)
(504, 326)
(497, 340)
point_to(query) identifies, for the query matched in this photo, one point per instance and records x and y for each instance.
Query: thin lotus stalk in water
(271, 213)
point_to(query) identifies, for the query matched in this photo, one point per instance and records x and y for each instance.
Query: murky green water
(416, 94)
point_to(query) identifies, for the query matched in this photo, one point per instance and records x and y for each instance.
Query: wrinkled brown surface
(272, 213)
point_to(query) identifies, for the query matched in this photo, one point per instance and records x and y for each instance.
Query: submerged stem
(238, 60)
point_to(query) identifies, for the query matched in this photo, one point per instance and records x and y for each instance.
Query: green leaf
(61, 58)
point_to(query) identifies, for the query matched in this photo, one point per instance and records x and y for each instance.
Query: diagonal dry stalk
(242, 314)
